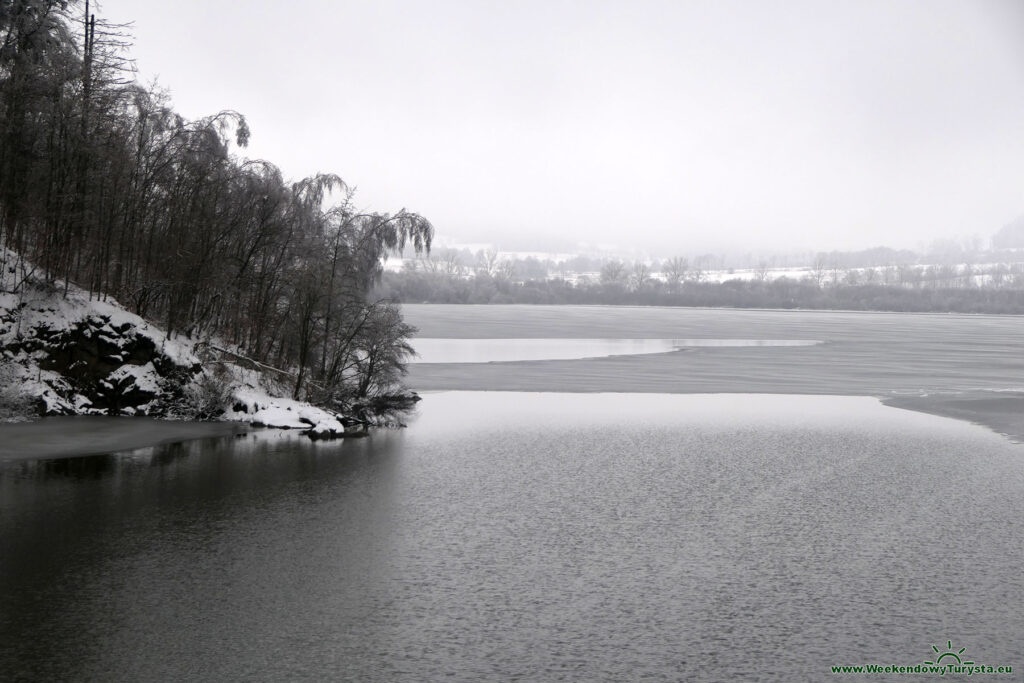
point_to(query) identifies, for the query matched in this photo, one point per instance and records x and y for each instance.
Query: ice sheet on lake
(434, 350)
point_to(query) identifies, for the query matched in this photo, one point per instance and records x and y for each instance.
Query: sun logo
(949, 653)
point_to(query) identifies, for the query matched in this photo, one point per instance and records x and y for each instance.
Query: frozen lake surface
(435, 350)
(966, 366)
(863, 353)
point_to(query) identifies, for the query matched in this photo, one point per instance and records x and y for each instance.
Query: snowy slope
(75, 354)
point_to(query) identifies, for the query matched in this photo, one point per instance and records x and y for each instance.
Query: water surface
(509, 536)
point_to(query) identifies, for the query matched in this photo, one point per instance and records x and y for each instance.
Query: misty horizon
(698, 126)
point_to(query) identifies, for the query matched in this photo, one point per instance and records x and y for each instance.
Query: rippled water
(509, 536)
(434, 350)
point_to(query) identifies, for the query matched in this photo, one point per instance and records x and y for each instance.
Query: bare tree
(613, 272)
(641, 276)
(836, 269)
(450, 263)
(999, 274)
(675, 272)
(968, 274)
(384, 346)
(818, 269)
(506, 269)
(698, 273)
(909, 276)
(487, 262)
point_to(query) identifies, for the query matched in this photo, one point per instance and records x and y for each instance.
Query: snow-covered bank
(69, 353)
(73, 355)
(260, 410)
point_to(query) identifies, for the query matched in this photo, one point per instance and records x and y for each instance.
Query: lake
(433, 350)
(875, 354)
(544, 535)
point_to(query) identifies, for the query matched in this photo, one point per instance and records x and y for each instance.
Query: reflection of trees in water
(165, 454)
(270, 455)
(85, 467)
(90, 543)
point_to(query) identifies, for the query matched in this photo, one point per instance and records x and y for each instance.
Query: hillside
(64, 352)
(174, 235)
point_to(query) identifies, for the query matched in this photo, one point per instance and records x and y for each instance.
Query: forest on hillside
(104, 185)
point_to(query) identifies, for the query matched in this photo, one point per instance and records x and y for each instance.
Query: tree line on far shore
(104, 185)
(935, 289)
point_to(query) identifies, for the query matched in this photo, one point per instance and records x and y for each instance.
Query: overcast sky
(675, 125)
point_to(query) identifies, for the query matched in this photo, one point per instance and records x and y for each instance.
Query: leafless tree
(641, 276)
(506, 269)
(698, 273)
(835, 269)
(487, 262)
(967, 274)
(613, 272)
(450, 263)
(675, 272)
(818, 267)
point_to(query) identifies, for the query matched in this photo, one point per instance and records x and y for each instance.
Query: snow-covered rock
(78, 355)
(65, 352)
(261, 410)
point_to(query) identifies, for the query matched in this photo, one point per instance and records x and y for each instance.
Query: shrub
(15, 402)
(206, 397)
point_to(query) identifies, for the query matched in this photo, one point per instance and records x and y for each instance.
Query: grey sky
(677, 125)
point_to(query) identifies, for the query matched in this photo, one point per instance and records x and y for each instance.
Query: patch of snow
(145, 377)
(39, 313)
(285, 413)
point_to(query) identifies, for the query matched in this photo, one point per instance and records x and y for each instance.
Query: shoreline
(726, 308)
(84, 435)
(81, 436)
(1002, 412)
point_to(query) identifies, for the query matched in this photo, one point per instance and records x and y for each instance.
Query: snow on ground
(39, 321)
(42, 319)
(260, 410)
(42, 305)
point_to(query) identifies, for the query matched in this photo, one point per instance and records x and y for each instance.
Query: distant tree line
(620, 286)
(961, 278)
(104, 185)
